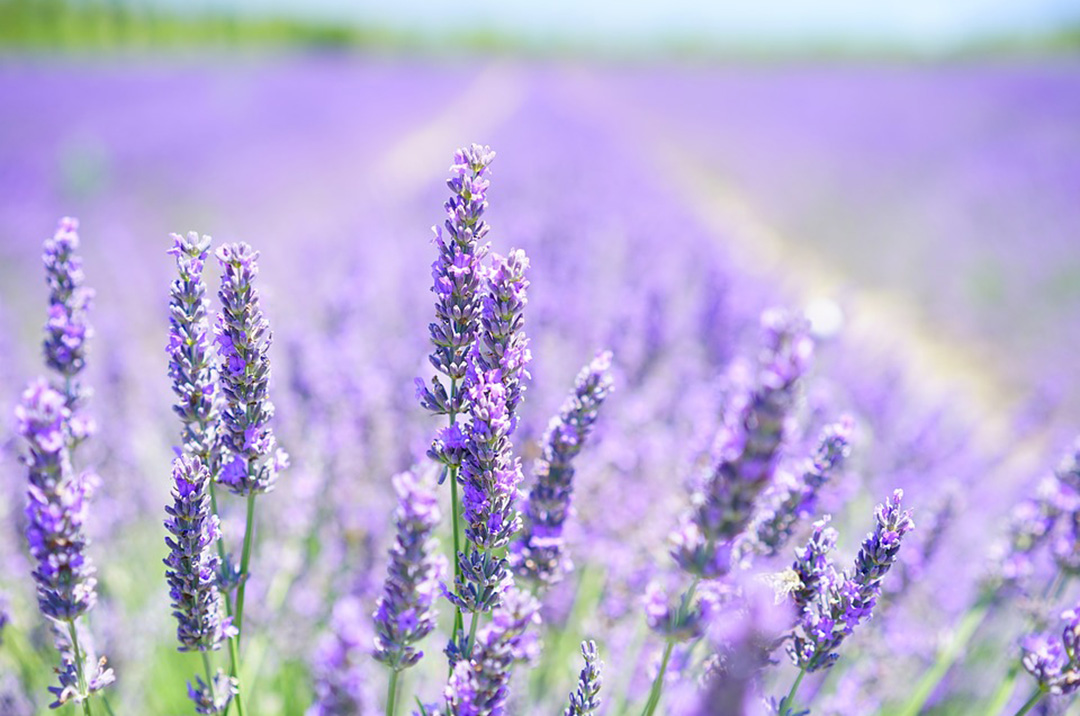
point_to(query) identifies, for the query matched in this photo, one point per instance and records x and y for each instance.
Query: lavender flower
(749, 448)
(342, 679)
(490, 478)
(844, 601)
(457, 274)
(538, 553)
(193, 565)
(502, 344)
(70, 691)
(479, 685)
(213, 697)
(812, 568)
(5, 615)
(56, 507)
(251, 459)
(1055, 663)
(67, 329)
(405, 612)
(190, 364)
(586, 700)
(795, 498)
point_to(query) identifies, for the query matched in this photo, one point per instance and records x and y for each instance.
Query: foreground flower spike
(190, 362)
(749, 447)
(250, 458)
(458, 276)
(538, 554)
(795, 498)
(490, 477)
(405, 613)
(503, 345)
(586, 700)
(479, 685)
(846, 600)
(1055, 663)
(192, 563)
(67, 329)
(56, 509)
(214, 696)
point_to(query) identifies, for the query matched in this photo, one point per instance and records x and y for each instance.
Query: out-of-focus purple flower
(458, 274)
(214, 697)
(67, 329)
(480, 684)
(749, 447)
(56, 507)
(503, 345)
(5, 616)
(843, 601)
(13, 700)
(340, 665)
(794, 498)
(190, 363)
(538, 554)
(405, 613)
(192, 562)
(250, 459)
(1055, 663)
(585, 701)
(686, 620)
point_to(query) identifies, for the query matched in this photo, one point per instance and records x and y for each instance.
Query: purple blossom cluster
(67, 329)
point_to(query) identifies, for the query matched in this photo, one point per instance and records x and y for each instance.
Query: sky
(912, 22)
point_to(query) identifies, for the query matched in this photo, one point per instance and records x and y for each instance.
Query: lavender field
(755, 387)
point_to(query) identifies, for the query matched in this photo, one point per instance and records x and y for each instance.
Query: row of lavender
(348, 428)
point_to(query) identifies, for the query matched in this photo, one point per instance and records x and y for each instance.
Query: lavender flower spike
(67, 329)
(190, 362)
(586, 700)
(457, 274)
(844, 601)
(795, 497)
(56, 507)
(193, 565)
(56, 511)
(749, 448)
(1054, 663)
(503, 346)
(250, 458)
(479, 685)
(405, 613)
(538, 553)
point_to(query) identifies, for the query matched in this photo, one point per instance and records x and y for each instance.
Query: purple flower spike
(1055, 663)
(405, 613)
(503, 346)
(458, 274)
(843, 601)
(67, 329)
(749, 447)
(193, 564)
(190, 363)
(250, 458)
(794, 498)
(586, 700)
(56, 507)
(480, 684)
(538, 554)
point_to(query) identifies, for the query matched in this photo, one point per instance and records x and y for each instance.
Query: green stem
(788, 702)
(658, 683)
(209, 676)
(391, 693)
(1030, 703)
(108, 706)
(77, 655)
(245, 558)
(455, 511)
(234, 664)
(947, 657)
(1005, 691)
(472, 634)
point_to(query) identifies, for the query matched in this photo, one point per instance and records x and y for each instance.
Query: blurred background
(907, 172)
